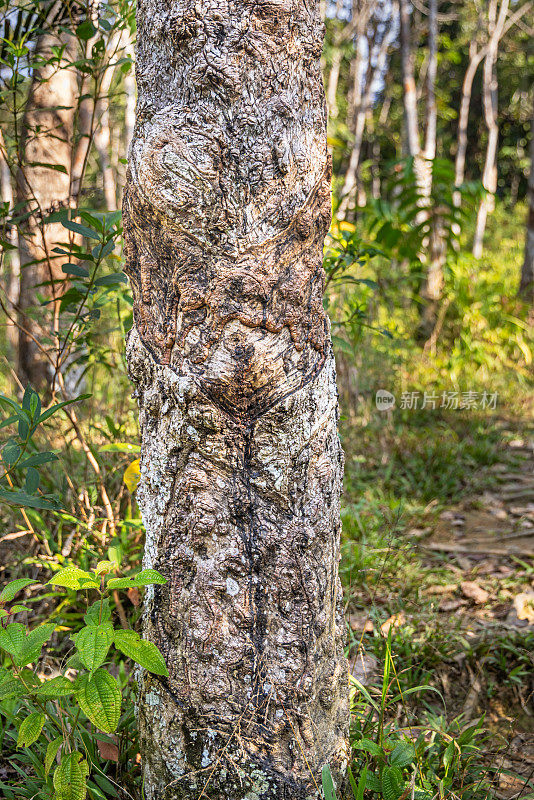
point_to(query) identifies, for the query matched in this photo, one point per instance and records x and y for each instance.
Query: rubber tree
(225, 210)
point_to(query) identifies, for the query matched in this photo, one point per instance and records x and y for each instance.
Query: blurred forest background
(429, 263)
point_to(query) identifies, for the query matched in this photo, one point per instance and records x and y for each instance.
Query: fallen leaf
(108, 750)
(438, 588)
(524, 606)
(451, 605)
(474, 592)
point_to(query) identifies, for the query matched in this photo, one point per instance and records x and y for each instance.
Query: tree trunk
(433, 288)
(12, 256)
(475, 57)
(410, 91)
(225, 212)
(490, 103)
(526, 286)
(47, 132)
(333, 79)
(102, 143)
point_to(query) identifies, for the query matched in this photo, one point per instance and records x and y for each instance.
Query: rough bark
(225, 212)
(47, 133)
(526, 286)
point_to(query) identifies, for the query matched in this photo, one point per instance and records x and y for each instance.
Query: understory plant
(59, 720)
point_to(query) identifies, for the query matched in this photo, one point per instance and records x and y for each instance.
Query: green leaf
(51, 753)
(53, 409)
(11, 589)
(85, 30)
(146, 577)
(98, 613)
(402, 755)
(38, 459)
(144, 653)
(362, 784)
(46, 165)
(12, 638)
(373, 783)
(368, 747)
(120, 447)
(89, 233)
(93, 643)
(328, 784)
(100, 699)
(22, 499)
(33, 643)
(70, 776)
(115, 279)
(55, 687)
(11, 689)
(392, 783)
(30, 729)
(75, 269)
(74, 578)
(32, 481)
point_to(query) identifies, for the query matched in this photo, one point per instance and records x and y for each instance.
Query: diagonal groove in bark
(225, 212)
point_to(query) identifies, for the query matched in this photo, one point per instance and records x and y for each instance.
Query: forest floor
(453, 578)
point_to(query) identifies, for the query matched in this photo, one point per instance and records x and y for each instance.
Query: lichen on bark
(225, 213)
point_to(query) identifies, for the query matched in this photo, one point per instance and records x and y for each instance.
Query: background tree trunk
(47, 132)
(526, 286)
(225, 212)
(490, 104)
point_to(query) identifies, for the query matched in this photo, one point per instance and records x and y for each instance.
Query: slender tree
(526, 286)
(490, 104)
(43, 185)
(225, 212)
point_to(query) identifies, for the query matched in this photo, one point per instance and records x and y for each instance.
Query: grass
(404, 467)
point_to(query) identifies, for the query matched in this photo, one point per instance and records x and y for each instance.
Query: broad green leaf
(120, 447)
(30, 729)
(75, 269)
(17, 608)
(11, 589)
(392, 783)
(402, 755)
(38, 459)
(74, 578)
(33, 643)
(144, 653)
(93, 643)
(12, 637)
(368, 746)
(147, 577)
(100, 699)
(70, 776)
(328, 784)
(98, 612)
(85, 30)
(11, 689)
(23, 499)
(51, 753)
(83, 230)
(55, 687)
